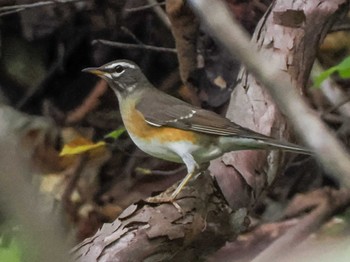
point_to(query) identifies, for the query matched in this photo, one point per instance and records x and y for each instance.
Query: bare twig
(146, 171)
(307, 124)
(90, 102)
(135, 46)
(12, 12)
(131, 34)
(6, 10)
(160, 13)
(144, 7)
(340, 27)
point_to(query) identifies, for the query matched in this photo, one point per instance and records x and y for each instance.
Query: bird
(168, 128)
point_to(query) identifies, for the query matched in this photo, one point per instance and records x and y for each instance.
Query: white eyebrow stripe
(123, 64)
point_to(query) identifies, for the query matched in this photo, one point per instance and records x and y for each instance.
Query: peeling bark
(159, 232)
(290, 32)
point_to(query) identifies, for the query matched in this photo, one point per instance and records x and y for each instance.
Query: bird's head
(123, 76)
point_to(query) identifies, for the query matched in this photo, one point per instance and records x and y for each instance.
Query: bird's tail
(230, 143)
(288, 147)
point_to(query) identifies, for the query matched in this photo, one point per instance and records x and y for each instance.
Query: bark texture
(162, 232)
(290, 32)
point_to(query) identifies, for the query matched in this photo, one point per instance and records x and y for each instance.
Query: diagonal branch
(306, 122)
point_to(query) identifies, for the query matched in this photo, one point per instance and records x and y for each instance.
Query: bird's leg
(181, 185)
(192, 169)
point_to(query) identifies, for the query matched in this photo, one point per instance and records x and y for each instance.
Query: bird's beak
(93, 70)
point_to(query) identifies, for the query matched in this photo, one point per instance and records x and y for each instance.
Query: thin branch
(340, 27)
(316, 135)
(131, 34)
(12, 12)
(146, 171)
(6, 10)
(144, 7)
(135, 46)
(160, 13)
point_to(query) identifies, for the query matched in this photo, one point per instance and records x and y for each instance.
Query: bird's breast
(136, 126)
(168, 143)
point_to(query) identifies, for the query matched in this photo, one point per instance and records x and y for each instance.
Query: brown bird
(171, 129)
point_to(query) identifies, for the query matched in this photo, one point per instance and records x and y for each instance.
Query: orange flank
(136, 125)
(168, 143)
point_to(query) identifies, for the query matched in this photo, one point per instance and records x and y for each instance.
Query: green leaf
(323, 76)
(343, 69)
(116, 133)
(11, 253)
(344, 65)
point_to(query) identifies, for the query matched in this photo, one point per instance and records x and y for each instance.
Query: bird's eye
(119, 69)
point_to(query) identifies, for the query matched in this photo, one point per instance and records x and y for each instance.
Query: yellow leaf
(80, 146)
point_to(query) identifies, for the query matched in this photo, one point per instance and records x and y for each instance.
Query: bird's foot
(162, 199)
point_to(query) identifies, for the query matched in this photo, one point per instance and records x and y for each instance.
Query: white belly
(168, 151)
(173, 151)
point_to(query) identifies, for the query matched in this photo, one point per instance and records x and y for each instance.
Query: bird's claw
(164, 200)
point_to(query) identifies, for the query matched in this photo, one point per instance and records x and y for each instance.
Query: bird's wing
(169, 111)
